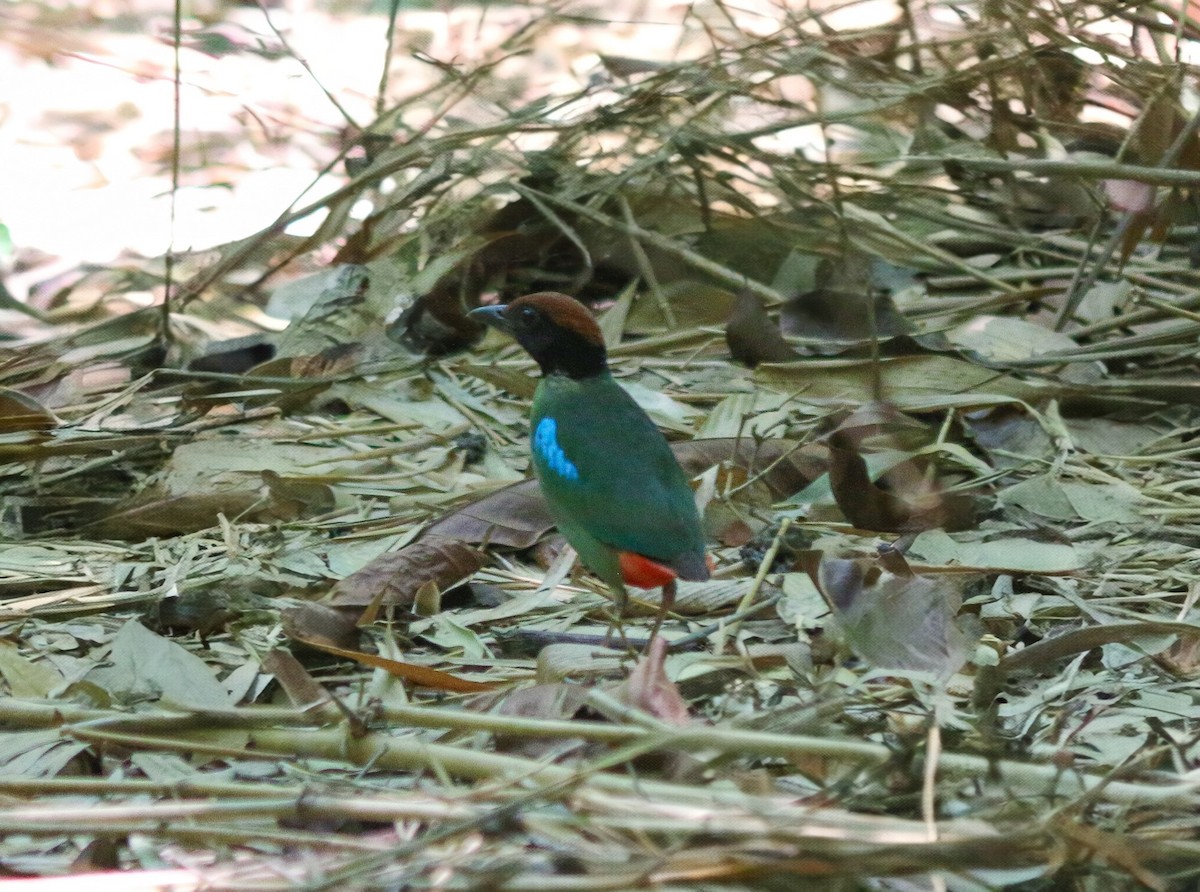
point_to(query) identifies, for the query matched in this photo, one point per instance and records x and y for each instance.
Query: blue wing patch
(545, 444)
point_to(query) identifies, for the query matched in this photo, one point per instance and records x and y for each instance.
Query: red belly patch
(641, 572)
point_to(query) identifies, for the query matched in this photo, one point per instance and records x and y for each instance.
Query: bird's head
(556, 330)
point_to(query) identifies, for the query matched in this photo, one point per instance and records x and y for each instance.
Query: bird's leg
(620, 598)
(618, 625)
(664, 607)
(620, 603)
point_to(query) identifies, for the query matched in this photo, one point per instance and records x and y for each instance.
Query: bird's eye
(528, 314)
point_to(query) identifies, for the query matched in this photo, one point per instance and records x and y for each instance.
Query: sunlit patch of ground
(267, 99)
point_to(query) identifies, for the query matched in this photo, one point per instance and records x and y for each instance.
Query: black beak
(493, 316)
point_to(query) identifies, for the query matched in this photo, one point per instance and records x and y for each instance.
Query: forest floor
(910, 288)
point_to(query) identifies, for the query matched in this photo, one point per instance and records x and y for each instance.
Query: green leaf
(148, 666)
(1005, 555)
(26, 678)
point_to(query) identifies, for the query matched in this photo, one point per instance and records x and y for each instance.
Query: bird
(611, 481)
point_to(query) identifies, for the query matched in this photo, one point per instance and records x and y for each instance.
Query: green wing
(608, 473)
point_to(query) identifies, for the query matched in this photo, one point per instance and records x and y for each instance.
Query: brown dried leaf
(1117, 848)
(418, 675)
(292, 498)
(1135, 229)
(514, 517)
(752, 336)
(909, 500)
(841, 318)
(865, 504)
(301, 688)
(1182, 658)
(624, 66)
(176, 515)
(317, 622)
(1077, 641)
(204, 611)
(101, 854)
(844, 308)
(878, 43)
(1161, 121)
(515, 381)
(544, 701)
(735, 534)
(19, 412)
(394, 579)
(330, 361)
(306, 371)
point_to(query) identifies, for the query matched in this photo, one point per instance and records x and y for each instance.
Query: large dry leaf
(513, 517)
(1077, 641)
(1098, 502)
(248, 477)
(557, 662)
(293, 498)
(997, 340)
(891, 617)
(866, 504)
(1000, 554)
(910, 382)
(146, 665)
(839, 320)
(783, 465)
(42, 753)
(394, 579)
(26, 678)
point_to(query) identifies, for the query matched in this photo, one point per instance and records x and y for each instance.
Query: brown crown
(565, 312)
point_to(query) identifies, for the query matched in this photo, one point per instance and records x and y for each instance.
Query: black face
(558, 349)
